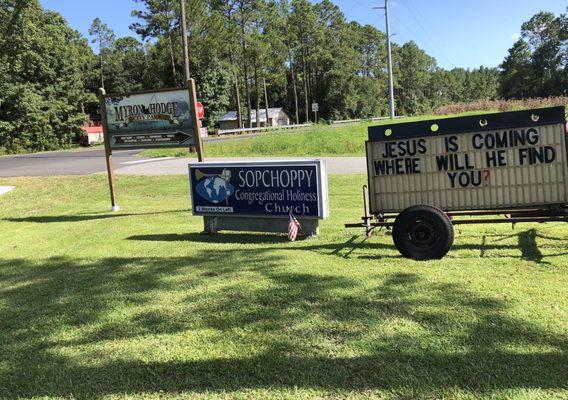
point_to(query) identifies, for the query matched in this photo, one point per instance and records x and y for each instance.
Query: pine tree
(104, 37)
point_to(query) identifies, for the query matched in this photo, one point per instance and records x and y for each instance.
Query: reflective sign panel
(150, 119)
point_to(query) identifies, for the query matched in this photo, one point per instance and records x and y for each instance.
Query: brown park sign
(159, 118)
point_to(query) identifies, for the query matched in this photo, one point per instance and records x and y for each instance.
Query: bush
(41, 87)
(501, 105)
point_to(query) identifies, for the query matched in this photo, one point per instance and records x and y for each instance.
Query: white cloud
(516, 36)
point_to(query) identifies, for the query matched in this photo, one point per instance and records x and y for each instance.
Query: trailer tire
(423, 233)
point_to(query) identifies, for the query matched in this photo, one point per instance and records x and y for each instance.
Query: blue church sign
(259, 188)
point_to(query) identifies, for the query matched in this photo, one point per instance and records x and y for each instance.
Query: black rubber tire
(423, 233)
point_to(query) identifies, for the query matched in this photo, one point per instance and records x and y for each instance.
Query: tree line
(246, 55)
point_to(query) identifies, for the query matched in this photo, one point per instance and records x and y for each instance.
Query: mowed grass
(139, 304)
(322, 140)
(319, 140)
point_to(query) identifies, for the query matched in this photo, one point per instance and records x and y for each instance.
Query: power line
(416, 36)
(367, 21)
(433, 44)
(359, 19)
(427, 34)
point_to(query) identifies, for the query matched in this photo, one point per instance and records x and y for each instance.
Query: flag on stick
(293, 227)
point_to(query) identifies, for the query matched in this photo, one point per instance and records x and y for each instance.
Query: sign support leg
(368, 217)
(108, 151)
(110, 173)
(195, 119)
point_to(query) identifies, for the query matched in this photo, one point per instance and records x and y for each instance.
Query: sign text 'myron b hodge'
(141, 111)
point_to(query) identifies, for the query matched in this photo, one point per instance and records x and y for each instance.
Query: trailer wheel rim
(422, 233)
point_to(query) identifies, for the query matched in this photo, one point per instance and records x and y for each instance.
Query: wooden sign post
(195, 119)
(108, 150)
(149, 119)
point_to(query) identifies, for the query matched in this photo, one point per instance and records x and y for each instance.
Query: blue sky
(462, 33)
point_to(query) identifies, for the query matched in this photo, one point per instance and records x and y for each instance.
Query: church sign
(259, 188)
(259, 196)
(491, 161)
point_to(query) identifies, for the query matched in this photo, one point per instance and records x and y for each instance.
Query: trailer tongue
(424, 177)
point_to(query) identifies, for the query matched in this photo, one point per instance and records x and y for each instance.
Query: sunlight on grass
(139, 304)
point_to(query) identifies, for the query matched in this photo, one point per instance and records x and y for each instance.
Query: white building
(276, 116)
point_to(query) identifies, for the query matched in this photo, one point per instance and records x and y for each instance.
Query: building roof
(272, 113)
(92, 129)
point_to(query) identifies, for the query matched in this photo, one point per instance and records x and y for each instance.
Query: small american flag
(293, 227)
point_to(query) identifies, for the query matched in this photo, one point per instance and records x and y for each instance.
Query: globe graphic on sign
(215, 189)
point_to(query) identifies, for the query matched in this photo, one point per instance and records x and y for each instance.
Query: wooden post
(265, 101)
(368, 217)
(185, 47)
(108, 151)
(195, 119)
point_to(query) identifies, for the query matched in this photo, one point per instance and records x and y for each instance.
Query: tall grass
(501, 105)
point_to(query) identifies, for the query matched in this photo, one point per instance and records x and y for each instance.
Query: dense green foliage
(138, 304)
(245, 55)
(537, 64)
(41, 85)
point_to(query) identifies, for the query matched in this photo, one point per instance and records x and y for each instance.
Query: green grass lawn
(139, 304)
(322, 140)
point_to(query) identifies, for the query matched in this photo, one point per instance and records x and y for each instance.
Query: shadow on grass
(527, 246)
(459, 339)
(226, 238)
(43, 219)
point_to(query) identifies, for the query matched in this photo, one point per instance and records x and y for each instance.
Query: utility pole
(190, 85)
(389, 58)
(183, 24)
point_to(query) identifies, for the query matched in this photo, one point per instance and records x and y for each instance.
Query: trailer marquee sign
(480, 162)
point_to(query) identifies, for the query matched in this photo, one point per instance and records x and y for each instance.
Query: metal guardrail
(345, 121)
(262, 129)
(355, 121)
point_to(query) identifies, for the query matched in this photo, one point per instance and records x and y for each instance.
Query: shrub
(501, 105)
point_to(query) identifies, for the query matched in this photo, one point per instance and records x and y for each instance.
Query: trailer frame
(536, 214)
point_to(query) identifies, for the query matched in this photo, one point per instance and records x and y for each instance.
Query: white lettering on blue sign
(272, 178)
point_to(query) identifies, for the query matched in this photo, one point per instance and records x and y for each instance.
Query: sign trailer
(150, 119)
(423, 176)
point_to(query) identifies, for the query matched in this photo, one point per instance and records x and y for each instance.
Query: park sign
(483, 162)
(148, 119)
(259, 195)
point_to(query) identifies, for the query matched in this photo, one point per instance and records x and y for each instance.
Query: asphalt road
(92, 161)
(73, 162)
